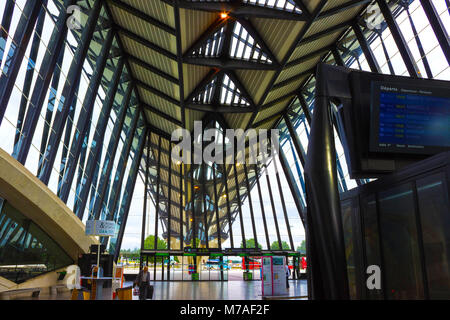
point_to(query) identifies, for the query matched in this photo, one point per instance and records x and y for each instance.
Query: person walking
(143, 282)
(288, 273)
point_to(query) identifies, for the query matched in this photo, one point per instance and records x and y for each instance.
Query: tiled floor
(202, 290)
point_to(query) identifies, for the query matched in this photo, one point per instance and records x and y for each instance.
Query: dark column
(326, 247)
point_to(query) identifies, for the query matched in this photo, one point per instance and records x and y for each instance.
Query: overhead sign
(103, 228)
(254, 251)
(200, 250)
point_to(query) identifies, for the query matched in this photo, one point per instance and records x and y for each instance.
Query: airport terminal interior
(224, 149)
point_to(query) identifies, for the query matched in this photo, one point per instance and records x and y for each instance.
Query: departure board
(412, 120)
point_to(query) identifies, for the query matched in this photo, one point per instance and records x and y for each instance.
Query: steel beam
(283, 205)
(143, 16)
(108, 162)
(29, 74)
(84, 122)
(131, 183)
(144, 213)
(216, 207)
(169, 203)
(98, 139)
(438, 27)
(21, 39)
(368, 53)
(68, 93)
(227, 195)
(297, 143)
(400, 41)
(4, 30)
(252, 215)
(133, 36)
(121, 167)
(238, 196)
(229, 63)
(342, 8)
(292, 186)
(158, 188)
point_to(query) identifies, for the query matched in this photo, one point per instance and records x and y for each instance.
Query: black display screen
(408, 119)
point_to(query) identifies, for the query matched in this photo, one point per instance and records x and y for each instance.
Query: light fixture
(178, 162)
(224, 15)
(224, 196)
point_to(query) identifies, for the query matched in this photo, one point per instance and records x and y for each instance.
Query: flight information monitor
(408, 119)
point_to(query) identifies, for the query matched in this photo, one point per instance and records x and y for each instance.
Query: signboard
(101, 228)
(274, 276)
(237, 251)
(267, 281)
(279, 276)
(201, 250)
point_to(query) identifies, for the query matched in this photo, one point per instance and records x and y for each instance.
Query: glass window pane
(371, 238)
(26, 251)
(349, 246)
(435, 220)
(402, 265)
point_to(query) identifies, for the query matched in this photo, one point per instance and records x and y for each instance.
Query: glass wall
(69, 116)
(405, 231)
(26, 251)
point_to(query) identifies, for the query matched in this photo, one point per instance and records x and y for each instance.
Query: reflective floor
(202, 290)
(212, 290)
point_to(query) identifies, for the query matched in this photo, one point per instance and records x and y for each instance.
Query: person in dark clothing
(288, 273)
(143, 282)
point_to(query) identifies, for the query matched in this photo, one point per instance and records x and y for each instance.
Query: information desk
(97, 286)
